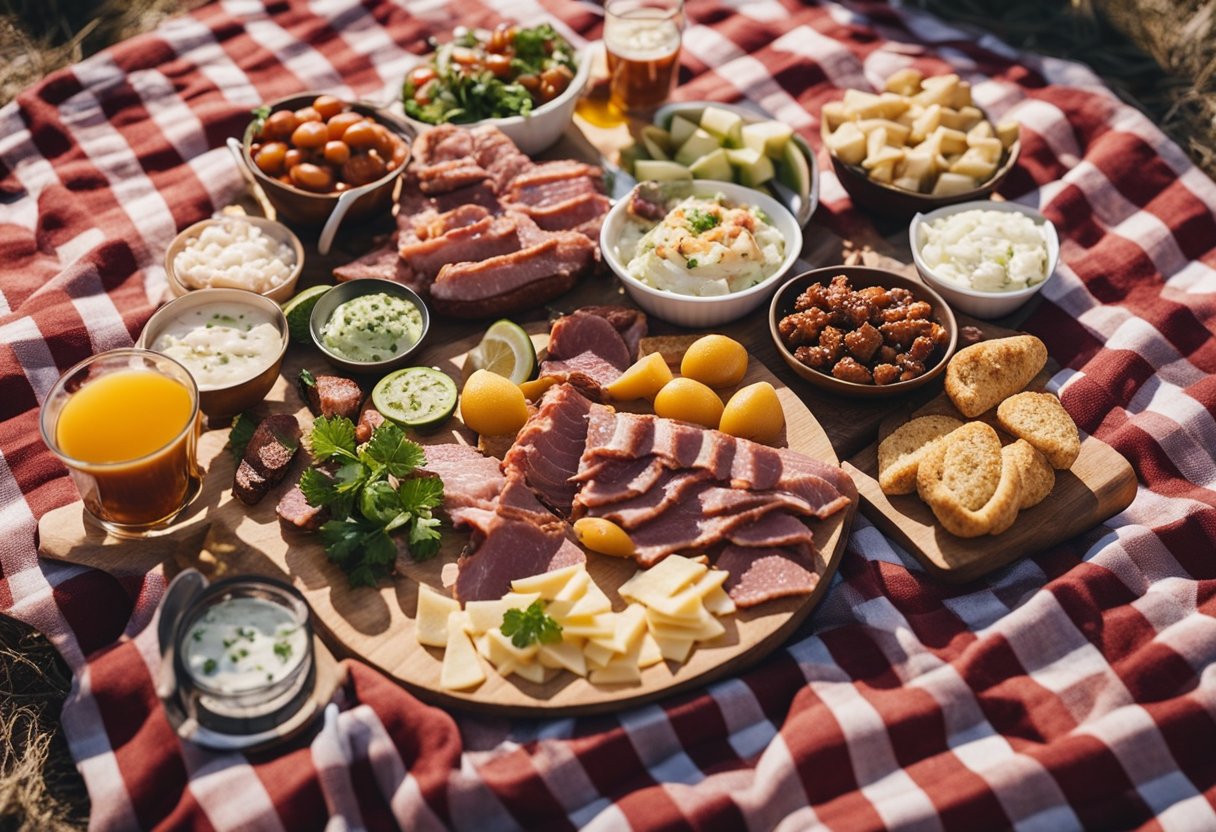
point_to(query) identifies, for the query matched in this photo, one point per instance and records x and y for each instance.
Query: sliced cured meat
(267, 457)
(294, 510)
(777, 528)
(547, 450)
(629, 323)
(470, 479)
(383, 262)
(503, 274)
(759, 575)
(614, 480)
(574, 334)
(672, 487)
(480, 240)
(585, 371)
(430, 223)
(331, 396)
(445, 142)
(569, 213)
(448, 175)
(369, 420)
(495, 152)
(553, 182)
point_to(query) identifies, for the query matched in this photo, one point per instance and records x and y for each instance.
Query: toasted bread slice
(1038, 477)
(980, 376)
(900, 454)
(1041, 420)
(971, 468)
(994, 517)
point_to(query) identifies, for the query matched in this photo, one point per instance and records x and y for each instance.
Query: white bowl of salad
(986, 258)
(523, 80)
(699, 253)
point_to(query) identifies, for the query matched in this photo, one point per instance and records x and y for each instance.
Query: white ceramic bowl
(698, 312)
(544, 125)
(973, 302)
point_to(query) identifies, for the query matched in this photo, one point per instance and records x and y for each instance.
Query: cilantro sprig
(243, 427)
(530, 626)
(371, 492)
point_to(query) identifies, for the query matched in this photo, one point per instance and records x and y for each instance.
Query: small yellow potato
(715, 360)
(641, 381)
(603, 536)
(689, 400)
(754, 412)
(492, 405)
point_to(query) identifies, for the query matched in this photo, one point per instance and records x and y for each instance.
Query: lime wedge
(505, 350)
(422, 398)
(299, 309)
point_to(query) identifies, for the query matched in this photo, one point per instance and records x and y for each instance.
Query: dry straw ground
(1160, 55)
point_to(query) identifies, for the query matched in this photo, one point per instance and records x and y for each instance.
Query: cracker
(1041, 420)
(971, 469)
(899, 455)
(980, 376)
(994, 517)
(1038, 477)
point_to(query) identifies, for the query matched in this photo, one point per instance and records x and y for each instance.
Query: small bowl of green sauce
(369, 325)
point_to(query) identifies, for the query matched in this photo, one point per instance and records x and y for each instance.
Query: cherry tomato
(420, 75)
(280, 125)
(308, 114)
(269, 158)
(336, 153)
(557, 77)
(547, 91)
(310, 135)
(328, 106)
(464, 56)
(500, 65)
(312, 177)
(529, 82)
(361, 136)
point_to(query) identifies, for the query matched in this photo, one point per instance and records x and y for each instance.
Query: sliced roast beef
(553, 182)
(480, 240)
(574, 334)
(331, 396)
(443, 143)
(759, 575)
(585, 371)
(777, 528)
(383, 262)
(630, 323)
(672, 487)
(569, 213)
(505, 273)
(470, 479)
(615, 480)
(495, 152)
(448, 175)
(295, 511)
(547, 450)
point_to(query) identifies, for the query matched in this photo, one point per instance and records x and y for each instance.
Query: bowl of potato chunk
(920, 144)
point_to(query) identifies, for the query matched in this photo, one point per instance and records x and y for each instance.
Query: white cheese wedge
(486, 615)
(711, 628)
(461, 666)
(630, 624)
(547, 584)
(673, 649)
(687, 603)
(599, 626)
(503, 651)
(566, 655)
(620, 671)
(597, 654)
(649, 653)
(662, 580)
(593, 602)
(431, 620)
(718, 602)
(575, 588)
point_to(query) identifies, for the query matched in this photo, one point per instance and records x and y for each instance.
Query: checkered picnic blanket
(1075, 688)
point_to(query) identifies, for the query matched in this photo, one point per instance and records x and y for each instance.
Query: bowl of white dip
(234, 252)
(986, 258)
(232, 341)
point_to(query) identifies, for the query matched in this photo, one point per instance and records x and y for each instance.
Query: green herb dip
(372, 328)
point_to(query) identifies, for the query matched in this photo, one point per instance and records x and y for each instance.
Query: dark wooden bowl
(304, 208)
(860, 277)
(898, 203)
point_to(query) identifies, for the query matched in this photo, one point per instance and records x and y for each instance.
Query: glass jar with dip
(238, 663)
(126, 424)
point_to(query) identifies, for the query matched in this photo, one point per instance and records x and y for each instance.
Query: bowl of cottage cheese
(253, 254)
(986, 258)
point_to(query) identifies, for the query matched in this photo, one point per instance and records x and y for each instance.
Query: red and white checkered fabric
(1076, 688)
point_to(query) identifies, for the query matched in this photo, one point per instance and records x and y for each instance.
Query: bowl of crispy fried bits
(860, 331)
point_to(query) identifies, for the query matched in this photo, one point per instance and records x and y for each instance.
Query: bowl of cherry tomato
(523, 80)
(307, 150)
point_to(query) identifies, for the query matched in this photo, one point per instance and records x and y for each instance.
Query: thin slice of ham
(777, 528)
(759, 575)
(555, 257)
(547, 450)
(470, 479)
(480, 240)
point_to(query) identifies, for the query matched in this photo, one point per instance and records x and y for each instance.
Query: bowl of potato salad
(918, 145)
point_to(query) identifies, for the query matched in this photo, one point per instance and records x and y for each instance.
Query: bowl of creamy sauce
(241, 644)
(369, 325)
(230, 340)
(986, 258)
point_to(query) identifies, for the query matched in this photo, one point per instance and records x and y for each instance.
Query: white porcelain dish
(979, 304)
(544, 125)
(700, 312)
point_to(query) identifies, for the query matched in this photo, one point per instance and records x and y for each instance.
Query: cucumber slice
(421, 398)
(299, 309)
(505, 350)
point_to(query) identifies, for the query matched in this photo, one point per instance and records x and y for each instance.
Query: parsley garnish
(282, 649)
(209, 666)
(701, 221)
(260, 114)
(691, 262)
(530, 626)
(371, 491)
(242, 431)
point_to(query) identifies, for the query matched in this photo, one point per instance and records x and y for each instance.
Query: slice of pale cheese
(662, 580)
(597, 654)
(598, 626)
(431, 620)
(673, 649)
(649, 653)
(564, 654)
(630, 624)
(548, 584)
(486, 615)
(593, 602)
(709, 629)
(461, 664)
(532, 671)
(575, 588)
(718, 602)
(616, 673)
(502, 650)
(687, 602)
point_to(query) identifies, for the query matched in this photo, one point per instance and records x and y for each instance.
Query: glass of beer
(642, 39)
(126, 424)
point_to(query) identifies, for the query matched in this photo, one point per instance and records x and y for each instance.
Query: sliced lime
(505, 350)
(416, 397)
(299, 309)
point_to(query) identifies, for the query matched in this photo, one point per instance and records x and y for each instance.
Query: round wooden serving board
(377, 624)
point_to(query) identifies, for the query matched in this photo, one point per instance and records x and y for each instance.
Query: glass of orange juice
(642, 41)
(126, 424)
